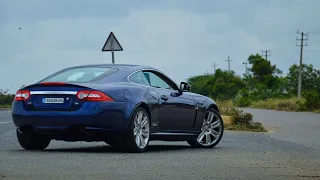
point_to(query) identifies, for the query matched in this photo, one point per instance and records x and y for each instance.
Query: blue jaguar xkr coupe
(122, 105)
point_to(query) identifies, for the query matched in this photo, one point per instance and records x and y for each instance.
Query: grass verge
(292, 104)
(5, 106)
(225, 107)
(317, 111)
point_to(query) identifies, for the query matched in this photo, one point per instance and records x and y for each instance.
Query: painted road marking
(5, 122)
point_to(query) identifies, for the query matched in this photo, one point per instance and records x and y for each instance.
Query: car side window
(139, 78)
(156, 81)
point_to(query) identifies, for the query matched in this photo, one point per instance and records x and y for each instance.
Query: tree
(226, 85)
(6, 99)
(222, 85)
(310, 78)
(262, 80)
(199, 84)
(262, 69)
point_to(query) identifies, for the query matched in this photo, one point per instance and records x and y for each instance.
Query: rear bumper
(92, 116)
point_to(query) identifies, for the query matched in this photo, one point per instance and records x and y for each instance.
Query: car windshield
(78, 75)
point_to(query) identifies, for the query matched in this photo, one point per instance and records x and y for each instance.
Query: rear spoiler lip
(81, 85)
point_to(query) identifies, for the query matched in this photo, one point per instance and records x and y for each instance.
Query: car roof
(130, 67)
(127, 68)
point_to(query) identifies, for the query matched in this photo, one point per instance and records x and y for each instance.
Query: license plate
(53, 100)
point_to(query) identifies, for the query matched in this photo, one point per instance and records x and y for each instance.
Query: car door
(177, 109)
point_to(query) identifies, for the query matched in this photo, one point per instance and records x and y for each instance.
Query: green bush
(222, 85)
(242, 121)
(257, 126)
(226, 108)
(241, 117)
(254, 127)
(242, 102)
(312, 98)
(6, 99)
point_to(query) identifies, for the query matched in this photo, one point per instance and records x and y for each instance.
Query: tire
(32, 142)
(129, 141)
(216, 132)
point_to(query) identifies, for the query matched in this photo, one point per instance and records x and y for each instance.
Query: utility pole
(265, 53)
(214, 66)
(229, 63)
(246, 63)
(301, 53)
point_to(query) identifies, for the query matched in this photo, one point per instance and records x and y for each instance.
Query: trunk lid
(55, 96)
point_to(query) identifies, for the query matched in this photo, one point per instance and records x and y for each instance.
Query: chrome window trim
(146, 69)
(53, 92)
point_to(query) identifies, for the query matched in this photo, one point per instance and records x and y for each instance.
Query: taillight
(88, 95)
(22, 95)
(52, 83)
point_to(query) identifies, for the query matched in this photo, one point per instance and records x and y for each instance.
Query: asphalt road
(240, 155)
(5, 121)
(298, 127)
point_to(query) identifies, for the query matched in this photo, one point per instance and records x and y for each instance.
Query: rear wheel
(137, 136)
(32, 141)
(211, 131)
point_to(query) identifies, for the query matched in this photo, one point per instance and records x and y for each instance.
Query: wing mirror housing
(185, 87)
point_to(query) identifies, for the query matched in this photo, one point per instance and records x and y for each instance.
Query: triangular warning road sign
(112, 44)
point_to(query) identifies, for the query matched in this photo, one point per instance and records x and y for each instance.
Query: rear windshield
(78, 75)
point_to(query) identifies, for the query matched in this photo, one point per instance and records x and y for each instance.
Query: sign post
(112, 44)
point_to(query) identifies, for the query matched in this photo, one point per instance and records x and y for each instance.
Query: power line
(265, 53)
(214, 66)
(301, 55)
(246, 63)
(229, 62)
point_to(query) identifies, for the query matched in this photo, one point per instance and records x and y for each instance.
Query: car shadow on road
(110, 149)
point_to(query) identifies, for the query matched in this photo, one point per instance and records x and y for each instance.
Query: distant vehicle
(122, 105)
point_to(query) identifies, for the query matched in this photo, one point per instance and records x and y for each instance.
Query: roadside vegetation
(6, 100)
(290, 104)
(237, 120)
(5, 106)
(262, 86)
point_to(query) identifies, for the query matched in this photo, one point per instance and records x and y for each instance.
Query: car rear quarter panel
(133, 94)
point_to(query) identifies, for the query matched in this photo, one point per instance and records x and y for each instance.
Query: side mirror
(185, 87)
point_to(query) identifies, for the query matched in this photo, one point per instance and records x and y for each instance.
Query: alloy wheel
(211, 130)
(141, 129)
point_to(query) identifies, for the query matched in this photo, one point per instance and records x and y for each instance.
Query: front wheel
(211, 131)
(32, 142)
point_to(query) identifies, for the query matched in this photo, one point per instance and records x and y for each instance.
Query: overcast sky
(180, 37)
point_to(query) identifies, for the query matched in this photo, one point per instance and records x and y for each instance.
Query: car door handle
(164, 97)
